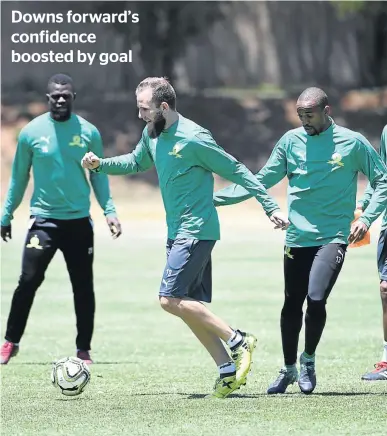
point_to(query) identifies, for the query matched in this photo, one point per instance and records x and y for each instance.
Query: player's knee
(292, 307)
(316, 306)
(383, 291)
(30, 281)
(317, 295)
(169, 304)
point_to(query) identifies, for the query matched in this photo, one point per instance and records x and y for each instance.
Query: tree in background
(374, 61)
(167, 27)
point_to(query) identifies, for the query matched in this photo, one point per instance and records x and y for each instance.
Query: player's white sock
(235, 339)
(384, 358)
(14, 343)
(227, 369)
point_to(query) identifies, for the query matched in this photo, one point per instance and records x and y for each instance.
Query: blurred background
(237, 67)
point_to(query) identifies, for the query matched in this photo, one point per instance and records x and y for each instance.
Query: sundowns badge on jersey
(175, 151)
(288, 253)
(77, 142)
(336, 161)
(34, 243)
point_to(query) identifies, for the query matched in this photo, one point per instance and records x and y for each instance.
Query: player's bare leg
(209, 329)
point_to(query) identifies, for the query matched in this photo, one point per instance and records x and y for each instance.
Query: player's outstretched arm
(206, 153)
(100, 185)
(371, 165)
(138, 161)
(272, 173)
(19, 180)
(365, 201)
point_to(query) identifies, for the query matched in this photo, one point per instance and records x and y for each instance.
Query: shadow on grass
(317, 394)
(196, 396)
(260, 395)
(30, 363)
(72, 399)
(123, 362)
(347, 394)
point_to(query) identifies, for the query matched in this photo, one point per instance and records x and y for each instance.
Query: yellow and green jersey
(322, 172)
(185, 156)
(54, 151)
(369, 191)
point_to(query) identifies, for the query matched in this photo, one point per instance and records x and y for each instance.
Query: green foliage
(346, 7)
(373, 8)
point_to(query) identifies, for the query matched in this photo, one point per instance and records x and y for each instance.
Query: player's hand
(90, 161)
(358, 231)
(280, 220)
(114, 226)
(6, 233)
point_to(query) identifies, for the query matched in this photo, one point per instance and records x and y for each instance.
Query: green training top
(54, 150)
(322, 172)
(369, 191)
(185, 156)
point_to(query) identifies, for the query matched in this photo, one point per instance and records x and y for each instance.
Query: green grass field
(151, 375)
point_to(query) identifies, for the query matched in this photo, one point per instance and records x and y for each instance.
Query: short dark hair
(316, 95)
(60, 79)
(162, 90)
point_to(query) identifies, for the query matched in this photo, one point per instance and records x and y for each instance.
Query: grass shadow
(31, 363)
(75, 398)
(316, 394)
(123, 362)
(347, 394)
(197, 396)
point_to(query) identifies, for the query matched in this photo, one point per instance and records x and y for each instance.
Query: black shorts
(188, 270)
(382, 255)
(313, 271)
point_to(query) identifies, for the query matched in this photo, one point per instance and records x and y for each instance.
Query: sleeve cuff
(6, 221)
(365, 221)
(269, 214)
(98, 169)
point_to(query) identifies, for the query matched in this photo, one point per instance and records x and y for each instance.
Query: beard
(156, 126)
(61, 115)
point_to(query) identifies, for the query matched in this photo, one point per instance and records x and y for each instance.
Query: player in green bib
(52, 145)
(186, 156)
(380, 371)
(321, 161)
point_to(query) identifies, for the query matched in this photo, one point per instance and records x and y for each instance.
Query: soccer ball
(71, 375)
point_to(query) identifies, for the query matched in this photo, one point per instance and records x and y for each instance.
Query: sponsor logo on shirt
(77, 142)
(175, 151)
(336, 161)
(45, 139)
(44, 142)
